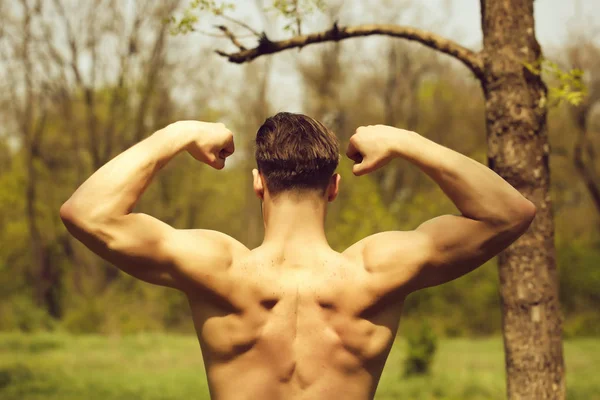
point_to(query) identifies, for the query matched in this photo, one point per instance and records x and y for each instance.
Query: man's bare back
(293, 319)
(304, 325)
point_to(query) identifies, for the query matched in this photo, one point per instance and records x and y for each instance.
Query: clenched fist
(373, 146)
(209, 142)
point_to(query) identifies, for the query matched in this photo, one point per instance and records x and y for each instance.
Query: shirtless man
(293, 319)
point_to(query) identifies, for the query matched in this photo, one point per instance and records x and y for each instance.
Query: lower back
(234, 382)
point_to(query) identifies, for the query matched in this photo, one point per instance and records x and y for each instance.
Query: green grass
(158, 366)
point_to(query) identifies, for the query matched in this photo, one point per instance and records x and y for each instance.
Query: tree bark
(518, 151)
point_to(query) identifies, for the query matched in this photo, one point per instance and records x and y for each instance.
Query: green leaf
(188, 20)
(563, 85)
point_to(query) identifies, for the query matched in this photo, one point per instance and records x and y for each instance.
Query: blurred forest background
(83, 80)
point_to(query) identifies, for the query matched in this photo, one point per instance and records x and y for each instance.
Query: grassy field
(156, 366)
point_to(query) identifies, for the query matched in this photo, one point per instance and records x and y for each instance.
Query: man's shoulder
(381, 250)
(207, 243)
(202, 259)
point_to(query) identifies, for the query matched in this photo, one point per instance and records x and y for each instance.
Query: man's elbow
(79, 223)
(532, 210)
(71, 218)
(67, 212)
(72, 214)
(524, 214)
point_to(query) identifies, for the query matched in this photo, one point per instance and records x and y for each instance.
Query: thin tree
(586, 57)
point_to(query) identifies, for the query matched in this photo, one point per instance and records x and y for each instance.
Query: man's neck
(295, 219)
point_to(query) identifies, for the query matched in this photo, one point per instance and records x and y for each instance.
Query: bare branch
(231, 37)
(88, 89)
(209, 34)
(240, 23)
(155, 65)
(265, 46)
(298, 18)
(218, 36)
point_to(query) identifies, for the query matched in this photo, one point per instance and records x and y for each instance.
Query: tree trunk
(518, 151)
(43, 275)
(586, 170)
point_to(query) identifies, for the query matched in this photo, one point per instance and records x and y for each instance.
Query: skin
(294, 319)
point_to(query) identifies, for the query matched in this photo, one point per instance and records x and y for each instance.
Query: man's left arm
(99, 213)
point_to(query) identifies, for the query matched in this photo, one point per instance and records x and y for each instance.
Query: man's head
(296, 153)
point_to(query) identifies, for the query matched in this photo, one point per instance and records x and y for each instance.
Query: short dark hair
(294, 151)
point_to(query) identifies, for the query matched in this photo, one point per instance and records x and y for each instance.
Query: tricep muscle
(438, 251)
(135, 243)
(458, 245)
(152, 251)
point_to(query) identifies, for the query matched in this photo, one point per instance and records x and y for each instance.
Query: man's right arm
(99, 213)
(494, 214)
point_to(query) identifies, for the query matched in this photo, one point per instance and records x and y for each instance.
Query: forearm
(116, 187)
(477, 191)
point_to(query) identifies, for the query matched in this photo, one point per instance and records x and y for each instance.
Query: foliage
(347, 223)
(566, 86)
(23, 315)
(468, 306)
(213, 6)
(422, 344)
(579, 283)
(289, 8)
(185, 23)
(294, 11)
